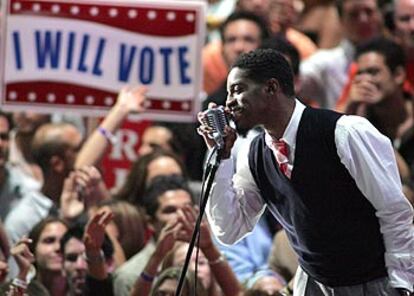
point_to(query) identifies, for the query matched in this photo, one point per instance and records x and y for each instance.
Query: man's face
(245, 99)
(168, 205)
(155, 137)
(75, 265)
(404, 23)
(361, 19)
(239, 37)
(372, 68)
(47, 253)
(4, 141)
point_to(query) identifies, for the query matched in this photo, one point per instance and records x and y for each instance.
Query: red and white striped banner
(76, 55)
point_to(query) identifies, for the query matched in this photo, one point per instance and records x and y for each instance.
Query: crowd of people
(64, 232)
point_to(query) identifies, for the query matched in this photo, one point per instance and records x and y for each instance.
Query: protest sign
(76, 55)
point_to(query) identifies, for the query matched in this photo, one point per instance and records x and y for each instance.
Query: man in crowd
(55, 147)
(377, 89)
(404, 32)
(325, 73)
(240, 32)
(13, 182)
(87, 257)
(164, 197)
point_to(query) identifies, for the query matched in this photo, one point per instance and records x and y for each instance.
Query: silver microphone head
(216, 119)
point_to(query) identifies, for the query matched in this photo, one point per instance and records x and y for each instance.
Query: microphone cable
(205, 173)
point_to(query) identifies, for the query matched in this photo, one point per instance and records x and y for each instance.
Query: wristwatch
(404, 292)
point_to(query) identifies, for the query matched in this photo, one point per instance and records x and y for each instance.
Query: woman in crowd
(157, 163)
(214, 272)
(126, 231)
(40, 261)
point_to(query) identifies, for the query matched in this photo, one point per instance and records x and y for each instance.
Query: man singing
(331, 180)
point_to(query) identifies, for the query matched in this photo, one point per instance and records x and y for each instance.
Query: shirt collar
(289, 136)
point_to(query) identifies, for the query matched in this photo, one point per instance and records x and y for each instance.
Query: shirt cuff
(401, 272)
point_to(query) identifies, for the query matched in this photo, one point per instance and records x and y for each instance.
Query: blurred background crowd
(63, 232)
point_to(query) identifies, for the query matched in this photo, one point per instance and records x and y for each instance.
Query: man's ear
(399, 75)
(150, 222)
(57, 164)
(272, 86)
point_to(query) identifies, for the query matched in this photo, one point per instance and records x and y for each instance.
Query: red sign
(123, 153)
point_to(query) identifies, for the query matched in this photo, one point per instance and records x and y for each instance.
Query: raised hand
(364, 90)
(187, 217)
(24, 258)
(167, 238)
(95, 230)
(88, 179)
(71, 204)
(132, 98)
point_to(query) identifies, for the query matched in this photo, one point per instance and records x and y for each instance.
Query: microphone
(216, 119)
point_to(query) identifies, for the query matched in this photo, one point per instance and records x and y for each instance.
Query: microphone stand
(210, 172)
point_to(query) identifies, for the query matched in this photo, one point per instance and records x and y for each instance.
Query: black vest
(329, 222)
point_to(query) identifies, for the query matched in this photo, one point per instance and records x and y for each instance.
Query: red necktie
(282, 156)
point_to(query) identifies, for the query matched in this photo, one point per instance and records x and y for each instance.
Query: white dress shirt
(324, 74)
(235, 204)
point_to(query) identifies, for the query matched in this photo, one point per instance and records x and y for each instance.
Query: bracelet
(19, 283)
(217, 261)
(107, 134)
(147, 277)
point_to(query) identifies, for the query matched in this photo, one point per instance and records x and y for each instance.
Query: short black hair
(391, 51)
(245, 15)
(77, 231)
(264, 64)
(282, 45)
(158, 187)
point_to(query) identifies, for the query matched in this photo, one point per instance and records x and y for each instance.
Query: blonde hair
(173, 273)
